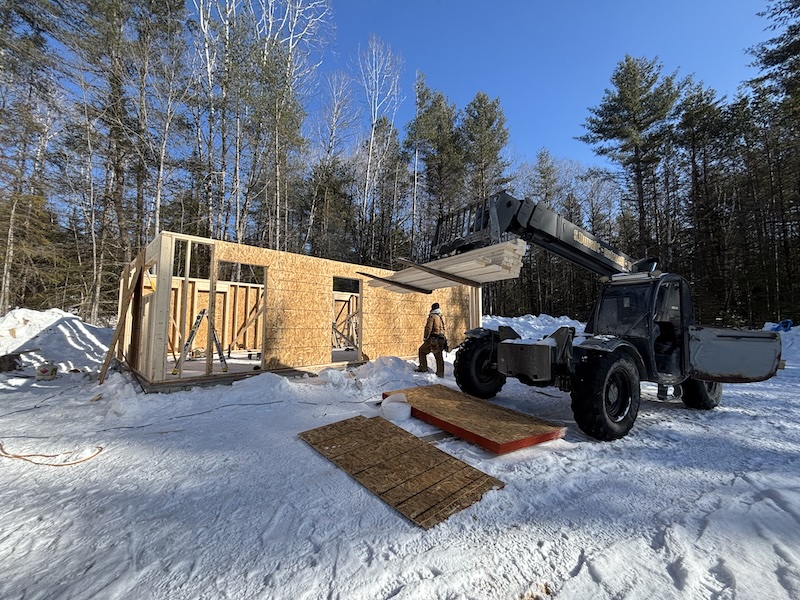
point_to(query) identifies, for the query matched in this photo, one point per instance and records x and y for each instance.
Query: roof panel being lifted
(483, 265)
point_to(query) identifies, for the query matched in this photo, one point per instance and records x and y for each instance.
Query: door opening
(346, 322)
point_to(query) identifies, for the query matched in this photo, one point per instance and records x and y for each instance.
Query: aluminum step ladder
(185, 350)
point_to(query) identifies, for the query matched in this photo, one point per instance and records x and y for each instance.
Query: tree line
(123, 118)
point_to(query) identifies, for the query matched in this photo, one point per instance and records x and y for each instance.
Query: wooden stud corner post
(163, 294)
(264, 322)
(212, 309)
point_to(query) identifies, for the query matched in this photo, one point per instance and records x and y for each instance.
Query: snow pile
(209, 493)
(533, 327)
(54, 336)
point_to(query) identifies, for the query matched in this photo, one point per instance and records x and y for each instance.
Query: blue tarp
(784, 325)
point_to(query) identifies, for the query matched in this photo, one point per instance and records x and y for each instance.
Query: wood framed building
(194, 309)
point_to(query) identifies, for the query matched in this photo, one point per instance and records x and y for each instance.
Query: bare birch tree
(205, 106)
(290, 28)
(379, 71)
(161, 53)
(334, 126)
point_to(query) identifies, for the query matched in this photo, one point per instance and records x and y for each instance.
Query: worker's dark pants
(435, 345)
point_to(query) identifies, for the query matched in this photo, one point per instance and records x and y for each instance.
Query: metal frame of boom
(494, 219)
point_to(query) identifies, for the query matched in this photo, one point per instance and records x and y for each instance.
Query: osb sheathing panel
(423, 483)
(300, 300)
(299, 315)
(493, 427)
(175, 337)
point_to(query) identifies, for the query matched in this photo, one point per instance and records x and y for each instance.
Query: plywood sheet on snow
(423, 483)
(491, 263)
(493, 427)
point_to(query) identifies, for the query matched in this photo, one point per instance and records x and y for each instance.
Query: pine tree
(699, 135)
(28, 112)
(438, 142)
(485, 135)
(630, 125)
(779, 57)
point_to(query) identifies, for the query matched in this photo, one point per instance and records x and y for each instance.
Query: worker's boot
(439, 364)
(421, 369)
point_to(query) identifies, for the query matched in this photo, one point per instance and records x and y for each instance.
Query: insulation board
(420, 481)
(490, 426)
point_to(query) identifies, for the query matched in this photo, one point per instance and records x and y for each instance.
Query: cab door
(671, 314)
(733, 355)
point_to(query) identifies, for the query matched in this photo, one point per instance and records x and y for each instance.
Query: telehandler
(641, 328)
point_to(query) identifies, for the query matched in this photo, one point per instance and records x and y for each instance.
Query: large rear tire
(605, 399)
(475, 368)
(702, 395)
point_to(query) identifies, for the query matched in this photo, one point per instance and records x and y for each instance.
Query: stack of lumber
(491, 263)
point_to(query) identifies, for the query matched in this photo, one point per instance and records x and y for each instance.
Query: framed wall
(279, 317)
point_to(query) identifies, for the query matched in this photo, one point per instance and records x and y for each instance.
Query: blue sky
(548, 62)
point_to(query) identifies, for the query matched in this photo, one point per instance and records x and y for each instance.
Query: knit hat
(435, 306)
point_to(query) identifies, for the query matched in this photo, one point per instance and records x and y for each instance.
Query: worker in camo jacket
(434, 340)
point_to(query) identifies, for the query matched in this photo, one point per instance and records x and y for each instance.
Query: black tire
(605, 399)
(475, 368)
(702, 395)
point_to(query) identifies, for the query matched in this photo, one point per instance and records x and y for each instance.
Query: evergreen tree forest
(123, 118)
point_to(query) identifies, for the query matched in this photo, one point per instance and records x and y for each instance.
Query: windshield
(623, 311)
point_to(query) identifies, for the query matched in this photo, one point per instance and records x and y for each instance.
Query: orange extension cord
(31, 458)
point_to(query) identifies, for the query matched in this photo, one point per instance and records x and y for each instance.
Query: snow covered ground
(210, 493)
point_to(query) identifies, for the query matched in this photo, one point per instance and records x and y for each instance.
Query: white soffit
(491, 263)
